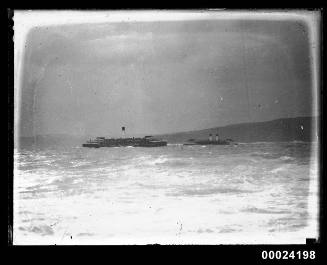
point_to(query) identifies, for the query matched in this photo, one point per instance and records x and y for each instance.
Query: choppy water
(250, 193)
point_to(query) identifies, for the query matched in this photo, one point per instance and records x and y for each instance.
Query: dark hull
(137, 145)
(121, 142)
(156, 144)
(91, 145)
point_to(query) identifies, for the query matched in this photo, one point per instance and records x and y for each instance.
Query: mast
(123, 131)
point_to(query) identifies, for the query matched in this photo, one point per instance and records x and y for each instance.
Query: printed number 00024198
(304, 254)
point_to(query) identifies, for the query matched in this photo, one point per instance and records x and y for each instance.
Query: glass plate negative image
(167, 127)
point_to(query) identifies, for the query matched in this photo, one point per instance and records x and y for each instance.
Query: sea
(249, 193)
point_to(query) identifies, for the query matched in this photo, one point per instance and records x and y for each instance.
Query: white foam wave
(159, 160)
(279, 169)
(285, 158)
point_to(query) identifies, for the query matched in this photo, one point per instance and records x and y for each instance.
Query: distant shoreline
(278, 130)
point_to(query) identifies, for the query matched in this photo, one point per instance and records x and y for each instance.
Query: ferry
(210, 141)
(146, 141)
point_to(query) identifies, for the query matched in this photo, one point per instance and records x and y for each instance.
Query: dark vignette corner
(10, 115)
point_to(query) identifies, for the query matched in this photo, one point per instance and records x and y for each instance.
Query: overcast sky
(159, 77)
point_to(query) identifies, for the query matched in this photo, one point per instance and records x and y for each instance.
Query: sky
(163, 76)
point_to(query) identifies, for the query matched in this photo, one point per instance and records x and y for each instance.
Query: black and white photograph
(136, 127)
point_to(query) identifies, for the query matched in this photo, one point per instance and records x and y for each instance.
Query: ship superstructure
(146, 141)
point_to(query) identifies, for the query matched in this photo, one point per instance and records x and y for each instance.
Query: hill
(280, 130)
